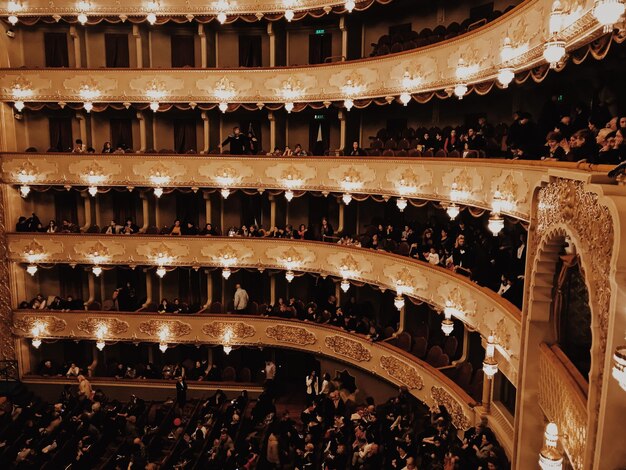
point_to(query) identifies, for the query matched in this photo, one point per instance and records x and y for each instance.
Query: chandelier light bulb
(223, 107)
(460, 90)
(550, 458)
(495, 224)
(161, 271)
(289, 106)
(289, 275)
(163, 346)
(619, 366)
(88, 106)
(289, 195)
(13, 20)
(151, 18)
(36, 343)
(31, 269)
(405, 98)
(555, 22)
(227, 349)
(289, 14)
(19, 106)
(100, 344)
(93, 190)
(226, 273)
(24, 191)
(348, 103)
(553, 52)
(154, 106)
(398, 302)
(401, 203)
(447, 326)
(505, 76)
(608, 12)
(350, 4)
(347, 198)
(453, 211)
(82, 18)
(345, 285)
(506, 54)
(96, 270)
(158, 192)
(221, 17)
(225, 192)
(490, 365)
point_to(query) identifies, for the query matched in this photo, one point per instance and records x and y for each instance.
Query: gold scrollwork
(348, 348)
(442, 398)
(50, 324)
(114, 326)
(237, 330)
(403, 372)
(291, 334)
(176, 328)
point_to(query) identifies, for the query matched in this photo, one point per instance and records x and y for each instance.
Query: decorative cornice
(291, 334)
(347, 347)
(402, 371)
(237, 330)
(176, 328)
(114, 326)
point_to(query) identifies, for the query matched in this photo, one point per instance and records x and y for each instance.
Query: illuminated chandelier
(608, 12)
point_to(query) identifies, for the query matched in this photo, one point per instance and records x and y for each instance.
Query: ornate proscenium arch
(481, 309)
(566, 209)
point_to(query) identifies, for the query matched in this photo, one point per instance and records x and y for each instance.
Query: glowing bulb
(556, 18)
(550, 458)
(505, 76)
(36, 343)
(97, 270)
(24, 190)
(31, 269)
(447, 326)
(495, 224)
(289, 195)
(13, 19)
(227, 349)
(225, 192)
(82, 18)
(350, 4)
(608, 12)
(289, 106)
(289, 275)
(506, 53)
(345, 285)
(93, 190)
(88, 105)
(490, 365)
(19, 106)
(460, 90)
(348, 103)
(161, 271)
(289, 14)
(163, 346)
(401, 203)
(100, 344)
(158, 191)
(151, 18)
(347, 198)
(553, 52)
(453, 211)
(13, 6)
(405, 98)
(398, 302)
(154, 106)
(226, 273)
(221, 17)
(223, 107)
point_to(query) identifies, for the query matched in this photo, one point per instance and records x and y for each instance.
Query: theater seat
(229, 374)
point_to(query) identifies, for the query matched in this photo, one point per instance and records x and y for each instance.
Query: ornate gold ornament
(92, 325)
(291, 334)
(235, 330)
(174, 328)
(401, 371)
(442, 398)
(348, 348)
(45, 324)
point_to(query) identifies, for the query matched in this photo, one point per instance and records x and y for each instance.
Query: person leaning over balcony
(237, 141)
(129, 228)
(240, 301)
(176, 228)
(298, 151)
(356, 150)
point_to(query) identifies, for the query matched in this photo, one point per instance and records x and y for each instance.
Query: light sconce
(227, 349)
(460, 90)
(163, 346)
(31, 269)
(158, 191)
(490, 365)
(101, 332)
(100, 344)
(161, 271)
(410, 82)
(345, 285)
(151, 18)
(289, 107)
(13, 19)
(608, 12)
(93, 190)
(619, 366)
(226, 340)
(226, 273)
(223, 107)
(225, 192)
(83, 6)
(155, 94)
(82, 18)
(164, 336)
(289, 14)
(154, 106)
(96, 270)
(289, 195)
(495, 224)
(19, 106)
(21, 91)
(405, 98)
(550, 458)
(89, 93)
(450, 309)
(88, 106)
(13, 7)
(401, 203)
(505, 76)
(24, 190)
(348, 103)
(151, 7)
(289, 275)
(398, 302)
(350, 5)
(346, 198)
(36, 343)
(506, 53)
(553, 52)
(221, 17)
(447, 325)
(555, 22)
(453, 211)
(37, 330)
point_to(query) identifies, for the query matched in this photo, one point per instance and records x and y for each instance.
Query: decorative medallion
(403, 372)
(175, 328)
(348, 348)
(46, 323)
(291, 334)
(442, 398)
(113, 326)
(235, 330)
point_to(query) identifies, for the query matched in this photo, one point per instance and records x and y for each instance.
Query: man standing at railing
(240, 301)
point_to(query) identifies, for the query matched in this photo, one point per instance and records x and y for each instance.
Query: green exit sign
(320, 31)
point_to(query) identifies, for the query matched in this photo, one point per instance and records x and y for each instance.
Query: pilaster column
(96, 201)
(138, 47)
(82, 124)
(344, 37)
(342, 207)
(487, 392)
(157, 215)
(87, 204)
(76, 43)
(272, 211)
(342, 130)
(209, 290)
(273, 289)
(205, 130)
(272, 37)
(148, 288)
(203, 54)
(145, 211)
(91, 287)
(142, 131)
(207, 206)
(272, 119)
